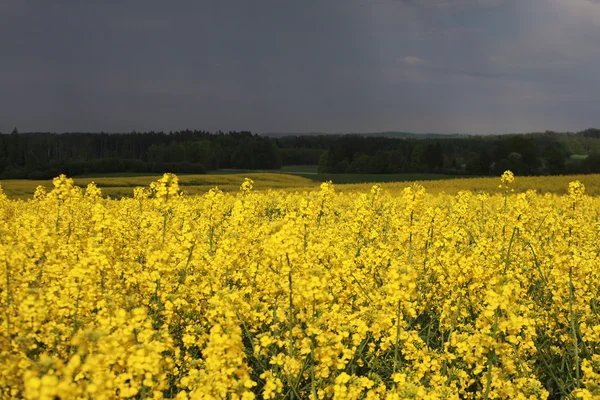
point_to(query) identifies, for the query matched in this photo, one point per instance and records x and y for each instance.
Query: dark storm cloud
(335, 65)
(452, 3)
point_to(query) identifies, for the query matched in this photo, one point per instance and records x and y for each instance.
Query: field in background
(308, 169)
(301, 178)
(541, 184)
(119, 186)
(311, 172)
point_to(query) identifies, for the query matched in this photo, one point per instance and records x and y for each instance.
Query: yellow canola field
(273, 295)
(122, 186)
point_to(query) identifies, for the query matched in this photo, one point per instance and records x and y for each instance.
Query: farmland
(300, 290)
(304, 178)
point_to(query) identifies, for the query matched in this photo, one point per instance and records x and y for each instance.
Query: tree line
(43, 155)
(547, 153)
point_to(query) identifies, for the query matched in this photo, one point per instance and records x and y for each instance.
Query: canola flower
(314, 295)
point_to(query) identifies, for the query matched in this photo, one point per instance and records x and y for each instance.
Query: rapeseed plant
(317, 295)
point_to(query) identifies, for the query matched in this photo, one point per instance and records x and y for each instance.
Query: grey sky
(477, 66)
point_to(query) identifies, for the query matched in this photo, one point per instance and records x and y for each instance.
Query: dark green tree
(324, 163)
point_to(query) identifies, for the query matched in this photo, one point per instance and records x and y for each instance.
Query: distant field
(308, 169)
(286, 169)
(310, 172)
(293, 178)
(541, 184)
(578, 157)
(119, 185)
(378, 178)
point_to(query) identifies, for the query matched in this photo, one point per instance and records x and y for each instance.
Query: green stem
(396, 355)
(573, 328)
(249, 336)
(537, 264)
(491, 354)
(510, 243)
(488, 384)
(57, 216)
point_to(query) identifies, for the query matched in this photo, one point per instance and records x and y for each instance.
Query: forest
(43, 155)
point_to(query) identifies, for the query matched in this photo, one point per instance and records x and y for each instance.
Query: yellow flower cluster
(315, 295)
(507, 178)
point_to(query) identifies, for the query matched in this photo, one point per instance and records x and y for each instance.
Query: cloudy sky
(476, 66)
